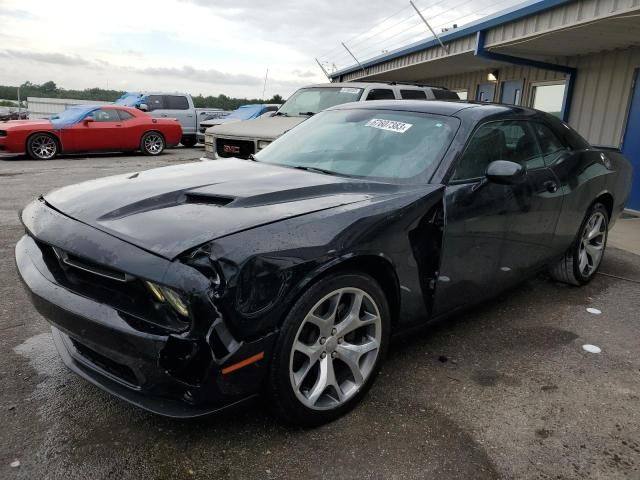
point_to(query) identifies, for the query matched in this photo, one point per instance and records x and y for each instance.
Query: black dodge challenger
(191, 288)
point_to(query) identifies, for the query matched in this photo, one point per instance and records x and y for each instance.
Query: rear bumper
(103, 346)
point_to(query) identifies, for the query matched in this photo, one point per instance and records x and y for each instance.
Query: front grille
(235, 148)
(121, 291)
(110, 366)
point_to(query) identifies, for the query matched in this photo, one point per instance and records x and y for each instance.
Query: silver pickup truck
(243, 139)
(171, 105)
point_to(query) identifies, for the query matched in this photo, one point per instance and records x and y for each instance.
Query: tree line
(51, 90)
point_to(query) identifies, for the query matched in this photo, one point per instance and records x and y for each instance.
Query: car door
(475, 225)
(130, 130)
(533, 206)
(99, 134)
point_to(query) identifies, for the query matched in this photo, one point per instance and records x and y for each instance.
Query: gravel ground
(505, 391)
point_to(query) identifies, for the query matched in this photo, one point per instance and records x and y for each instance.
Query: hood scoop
(205, 199)
(167, 200)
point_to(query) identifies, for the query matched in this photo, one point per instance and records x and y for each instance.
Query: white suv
(243, 139)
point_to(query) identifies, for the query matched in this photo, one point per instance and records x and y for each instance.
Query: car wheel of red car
(152, 143)
(42, 146)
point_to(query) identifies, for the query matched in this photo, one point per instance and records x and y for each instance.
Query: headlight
(208, 138)
(173, 298)
(263, 143)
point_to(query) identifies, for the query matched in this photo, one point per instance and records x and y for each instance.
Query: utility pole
(446, 49)
(264, 87)
(19, 103)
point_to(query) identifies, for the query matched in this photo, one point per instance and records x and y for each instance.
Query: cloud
(52, 58)
(301, 74)
(184, 72)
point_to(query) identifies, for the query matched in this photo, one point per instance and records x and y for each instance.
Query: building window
(462, 94)
(548, 97)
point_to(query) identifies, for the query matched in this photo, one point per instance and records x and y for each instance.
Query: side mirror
(505, 172)
(87, 121)
(144, 107)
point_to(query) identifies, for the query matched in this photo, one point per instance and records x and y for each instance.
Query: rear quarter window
(176, 102)
(413, 94)
(445, 94)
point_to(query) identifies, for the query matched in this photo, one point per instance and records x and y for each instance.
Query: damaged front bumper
(178, 374)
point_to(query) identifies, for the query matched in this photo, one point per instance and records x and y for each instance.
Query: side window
(380, 94)
(442, 94)
(124, 116)
(508, 140)
(110, 115)
(155, 102)
(552, 148)
(176, 102)
(413, 94)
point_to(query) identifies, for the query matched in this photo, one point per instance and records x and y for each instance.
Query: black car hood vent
(204, 199)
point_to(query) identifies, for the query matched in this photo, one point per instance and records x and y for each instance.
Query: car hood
(218, 121)
(260, 128)
(21, 124)
(172, 209)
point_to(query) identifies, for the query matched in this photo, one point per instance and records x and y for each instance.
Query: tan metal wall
(600, 99)
(602, 94)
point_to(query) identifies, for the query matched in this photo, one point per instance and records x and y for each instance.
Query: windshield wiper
(281, 114)
(315, 170)
(252, 158)
(307, 113)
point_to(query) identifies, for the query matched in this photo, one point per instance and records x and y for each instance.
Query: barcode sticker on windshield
(349, 90)
(390, 125)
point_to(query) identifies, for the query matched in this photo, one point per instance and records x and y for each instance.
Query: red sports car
(89, 128)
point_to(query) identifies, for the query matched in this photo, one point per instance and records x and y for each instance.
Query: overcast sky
(208, 47)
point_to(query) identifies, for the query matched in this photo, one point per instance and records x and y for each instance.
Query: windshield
(308, 101)
(72, 115)
(246, 112)
(131, 99)
(387, 145)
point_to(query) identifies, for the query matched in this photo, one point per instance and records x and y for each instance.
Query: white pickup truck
(171, 105)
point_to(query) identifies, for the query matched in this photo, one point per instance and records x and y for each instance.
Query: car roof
(373, 84)
(438, 107)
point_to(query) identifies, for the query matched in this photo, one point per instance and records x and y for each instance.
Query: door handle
(118, 125)
(163, 115)
(551, 186)
(190, 116)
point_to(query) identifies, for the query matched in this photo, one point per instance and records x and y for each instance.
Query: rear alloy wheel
(152, 143)
(330, 349)
(582, 260)
(42, 146)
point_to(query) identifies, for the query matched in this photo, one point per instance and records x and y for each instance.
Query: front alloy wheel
(330, 349)
(42, 146)
(335, 349)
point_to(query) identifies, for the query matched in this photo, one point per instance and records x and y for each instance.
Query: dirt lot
(506, 391)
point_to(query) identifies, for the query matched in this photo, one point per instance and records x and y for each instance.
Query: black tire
(152, 143)
(43, 146)
(568, 269)
(189, 142)
(284, 399)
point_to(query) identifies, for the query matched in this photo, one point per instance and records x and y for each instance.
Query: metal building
(40, 107)
(579, 59)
